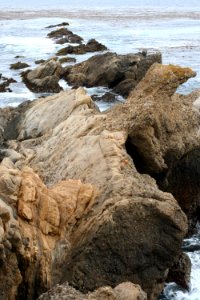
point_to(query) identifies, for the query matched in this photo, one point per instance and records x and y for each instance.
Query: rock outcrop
(119, 72)
(124, 291)
(44, 78)
(88, 208)
(64, 35)
(91, 46)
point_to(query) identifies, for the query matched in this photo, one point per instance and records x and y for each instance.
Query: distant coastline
(97, 13)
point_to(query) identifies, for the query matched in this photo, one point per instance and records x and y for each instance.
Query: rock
(121, 72)
(44, 78)
(183, 181)
(95, 217)
(91, 46)
(4, 83)
(180, 272)
(10, 248)
(67, 60)
(59, 206)
(19, 65)
(40, 61)
(118, 239)
(64, 35)
(58, 25)
(107, 97)
(124, 291)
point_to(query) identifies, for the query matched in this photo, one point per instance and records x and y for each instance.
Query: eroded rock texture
(87, 206)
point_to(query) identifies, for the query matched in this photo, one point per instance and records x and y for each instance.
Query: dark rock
(63, 35)
(58, 25)
(44, 78)
(5, 82)
(19, 65)
(40, 61)
(180, 272)
(183, 181)
(120, 72)
(91, 46)
(107, 97)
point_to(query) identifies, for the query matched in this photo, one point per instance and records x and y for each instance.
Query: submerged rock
(91, 46)
(44, 78)
(124, 291)
(120, 72)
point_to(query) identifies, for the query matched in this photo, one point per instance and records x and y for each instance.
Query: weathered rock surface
(91, 46)
(95, 216)
(124, 291)
(121, 72)
(44, 78)
(64, 35)
(19, 65)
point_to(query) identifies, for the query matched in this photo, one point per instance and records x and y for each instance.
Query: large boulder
(44, 78)
(120, 72)
(89, 209)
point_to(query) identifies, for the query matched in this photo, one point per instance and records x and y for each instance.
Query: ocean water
(171, 27)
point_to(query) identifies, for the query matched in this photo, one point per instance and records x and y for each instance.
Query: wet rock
(40, 61)
(4, 83)
(58, 25)
(64, 35)
(67, 60)
(180, 272)
(44, 78)
(124, 291)
(120, 72)
(19, 65)
(91, 46)
(107, 97)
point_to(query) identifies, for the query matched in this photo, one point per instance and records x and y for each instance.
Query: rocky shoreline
(92, 203)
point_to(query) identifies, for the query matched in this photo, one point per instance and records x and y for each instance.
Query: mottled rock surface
(120, 72)
(44, 78)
